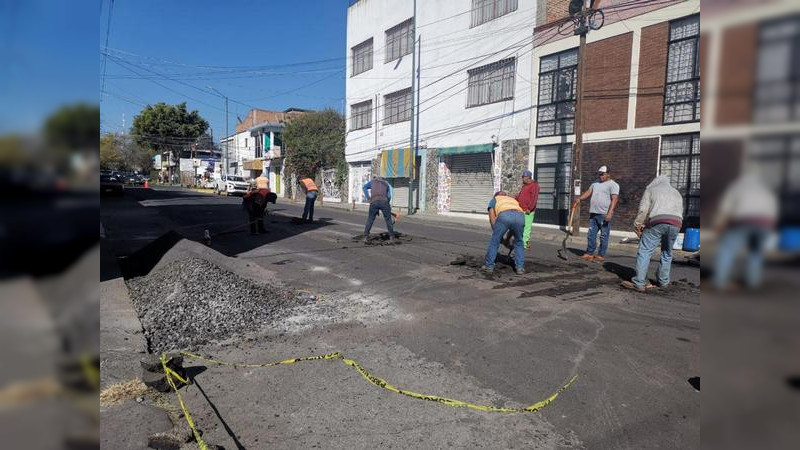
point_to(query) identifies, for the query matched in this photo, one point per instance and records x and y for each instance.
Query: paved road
(432, 327)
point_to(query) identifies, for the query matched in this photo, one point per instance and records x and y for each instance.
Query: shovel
(562, 252)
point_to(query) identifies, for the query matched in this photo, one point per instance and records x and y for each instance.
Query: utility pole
(580, 13)
(411, 146)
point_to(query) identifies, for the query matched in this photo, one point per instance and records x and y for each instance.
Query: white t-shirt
(601, 196)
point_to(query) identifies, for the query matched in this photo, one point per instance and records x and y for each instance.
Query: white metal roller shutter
(399, 192)
(472, 182)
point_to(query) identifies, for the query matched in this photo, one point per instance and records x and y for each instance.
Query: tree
(110, 154)
(74, 127)
(314, 141)
(167, 128)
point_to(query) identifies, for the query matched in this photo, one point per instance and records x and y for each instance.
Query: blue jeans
(730, 244)
(507, 220)
(385, 209)
(664, 235)
(597, 222)
(308, 211)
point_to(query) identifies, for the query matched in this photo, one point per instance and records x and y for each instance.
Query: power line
(108, 34)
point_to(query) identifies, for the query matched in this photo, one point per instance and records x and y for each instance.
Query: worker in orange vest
(505, 214)
(310, 189)
(255, 203)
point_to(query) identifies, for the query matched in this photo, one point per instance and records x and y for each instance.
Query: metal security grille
(399, 192)
(486, 10)
(398, 40)
(558, 76)
(361, 115)
(362, 57)
(491, 83)
(397, 107)
(472, 184)
(330, 191)
(680, 161)
(682, 92)
(552, 171)
(777, 94)
(360, 174)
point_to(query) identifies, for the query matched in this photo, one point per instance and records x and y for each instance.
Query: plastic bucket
(790, 239)
(691, 240)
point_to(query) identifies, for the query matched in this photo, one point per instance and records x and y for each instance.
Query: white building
(473, 98)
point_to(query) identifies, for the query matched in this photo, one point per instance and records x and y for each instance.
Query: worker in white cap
(604, 196)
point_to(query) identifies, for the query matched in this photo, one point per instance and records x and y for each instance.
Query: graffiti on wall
(445, 180)
(330, 192)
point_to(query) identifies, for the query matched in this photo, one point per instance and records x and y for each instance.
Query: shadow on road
(219, 416)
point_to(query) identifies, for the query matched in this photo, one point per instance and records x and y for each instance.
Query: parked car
(111, 185)
(231, 184)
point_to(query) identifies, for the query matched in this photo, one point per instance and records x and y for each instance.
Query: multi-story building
(471, 99)
(641, 103)
(257, 146)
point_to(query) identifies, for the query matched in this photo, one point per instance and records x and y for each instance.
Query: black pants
(256, 219)
(385, 209)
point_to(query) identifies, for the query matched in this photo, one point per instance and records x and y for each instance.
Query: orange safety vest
(309, 184)
(504, 203)
(262, 182)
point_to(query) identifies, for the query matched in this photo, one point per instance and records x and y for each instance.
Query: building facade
(641, 104)
(471, 98)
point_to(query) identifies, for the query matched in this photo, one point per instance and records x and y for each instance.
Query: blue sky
(173, 51)
(48, 58)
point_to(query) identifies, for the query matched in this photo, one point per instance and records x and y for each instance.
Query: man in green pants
(527, 198)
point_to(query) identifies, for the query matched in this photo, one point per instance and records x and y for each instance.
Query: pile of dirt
(190, 302)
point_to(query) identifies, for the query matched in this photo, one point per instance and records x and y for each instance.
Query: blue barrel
(691, 240)
(790, 239)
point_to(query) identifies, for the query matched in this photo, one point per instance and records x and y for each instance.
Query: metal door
(472, 183)
(552, 171)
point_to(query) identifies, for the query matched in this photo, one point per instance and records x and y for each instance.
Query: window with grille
(777, 93)
(397, 107)
(398, 40)
(558, 76)
(491, 83)
(362, 57)
(682, 92)
(680, 161)
(361, 115)
(486, 10)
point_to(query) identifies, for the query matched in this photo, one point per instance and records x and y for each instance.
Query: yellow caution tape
(381, 383)
(169, 373)
(90, 370)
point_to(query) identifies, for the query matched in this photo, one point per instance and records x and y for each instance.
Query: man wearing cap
(505, 214)
(527, 198)
(604, 196)
(378, 193)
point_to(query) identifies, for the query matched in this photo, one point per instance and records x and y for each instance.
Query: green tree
(315, 141)
(167, 128)
(110, 154)
(73, 127)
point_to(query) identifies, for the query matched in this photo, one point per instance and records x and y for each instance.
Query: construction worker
(311, 191)
(528, 197)
(378, 193)
(604, 194)
(505, 214)
(658, 222)
(255, 203)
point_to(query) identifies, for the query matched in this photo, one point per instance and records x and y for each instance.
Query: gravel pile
(190, 302)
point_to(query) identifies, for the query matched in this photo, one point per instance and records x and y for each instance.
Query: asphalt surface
(426, 325)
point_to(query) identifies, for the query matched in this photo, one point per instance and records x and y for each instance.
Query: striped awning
(465, 149)
(398, 163)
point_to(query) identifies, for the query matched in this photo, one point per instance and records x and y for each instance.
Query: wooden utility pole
(581, 29)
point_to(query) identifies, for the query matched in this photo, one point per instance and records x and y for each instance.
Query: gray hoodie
(661, 203)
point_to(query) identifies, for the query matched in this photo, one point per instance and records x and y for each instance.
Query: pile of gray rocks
(189, 302)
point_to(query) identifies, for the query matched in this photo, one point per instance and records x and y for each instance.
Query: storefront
(471, 177)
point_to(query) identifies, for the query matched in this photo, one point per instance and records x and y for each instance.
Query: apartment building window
(491, 83)
(486, 10)
(558, 75)
(397, 107)
(777, 93)
(680, 161)
(682, 92)
(362, 57)
(398, 41)
(361, 115)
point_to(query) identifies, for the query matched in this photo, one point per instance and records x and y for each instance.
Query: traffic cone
(146, 184)
(207, 237)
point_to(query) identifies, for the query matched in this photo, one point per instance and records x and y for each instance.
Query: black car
(111, 185)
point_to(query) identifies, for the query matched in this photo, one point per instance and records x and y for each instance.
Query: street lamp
(227, 134)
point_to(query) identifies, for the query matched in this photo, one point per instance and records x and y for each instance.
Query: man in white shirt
(604, 196)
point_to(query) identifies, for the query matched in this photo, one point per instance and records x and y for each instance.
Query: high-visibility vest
(262, 182)
(504, 203)
(309, 184)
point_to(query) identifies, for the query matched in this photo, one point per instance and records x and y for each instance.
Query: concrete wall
(515, 160)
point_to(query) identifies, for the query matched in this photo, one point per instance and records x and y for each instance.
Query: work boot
(366, 239)
(587, 257)
(519, 271)
(487, 270)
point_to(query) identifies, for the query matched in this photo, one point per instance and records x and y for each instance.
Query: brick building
(641, 103)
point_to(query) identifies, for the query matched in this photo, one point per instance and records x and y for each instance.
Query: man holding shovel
(505, 214)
